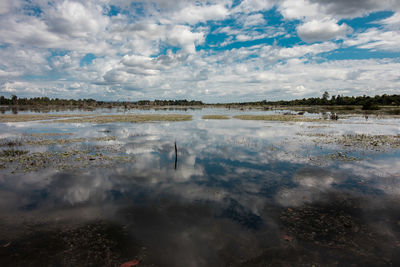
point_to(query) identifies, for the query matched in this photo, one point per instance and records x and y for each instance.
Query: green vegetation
(45, 101)
(215, 117)
(388, 100)
(370, 106)
(294, 118)
(324, 100)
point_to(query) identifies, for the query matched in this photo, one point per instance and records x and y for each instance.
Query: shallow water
(251, 193)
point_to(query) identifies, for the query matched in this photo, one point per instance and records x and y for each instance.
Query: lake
(306, 191)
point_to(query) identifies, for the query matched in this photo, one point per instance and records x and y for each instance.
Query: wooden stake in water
(176, 156)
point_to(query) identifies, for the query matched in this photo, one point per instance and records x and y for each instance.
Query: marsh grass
(49, 142)
(63, 141)
(12, 153)
(216, 117)
(103, 138)
(125, 118)
(11, 142)
(357, 141)
(49, 134)
(35, 117)
(291, 118)
(17, 160)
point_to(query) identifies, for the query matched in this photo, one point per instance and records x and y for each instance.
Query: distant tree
(325, 96)
(14, 99)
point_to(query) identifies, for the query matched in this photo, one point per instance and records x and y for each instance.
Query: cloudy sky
(214, 51)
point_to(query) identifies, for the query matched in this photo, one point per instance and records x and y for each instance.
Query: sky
(213, 51)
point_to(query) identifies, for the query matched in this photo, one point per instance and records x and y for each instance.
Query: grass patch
(49, 134)
(10, 143)
(12, 153)
(215, 117)
(370, 141)
(126, 118)
(103, 138)
(66, 160)
(49, 142)
(357, 141)
(34, 117)
(294, 118)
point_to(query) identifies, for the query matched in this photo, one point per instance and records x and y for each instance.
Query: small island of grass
(216, 117)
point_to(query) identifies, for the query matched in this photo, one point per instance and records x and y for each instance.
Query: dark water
(242, 193)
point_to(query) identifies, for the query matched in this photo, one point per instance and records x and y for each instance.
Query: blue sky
(214, 51)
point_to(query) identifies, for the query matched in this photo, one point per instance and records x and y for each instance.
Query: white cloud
(153, 51)
(355, 8)
(76, 20)
(5, 6)
(298, 9)
(254, 20)
(392, 22)
(314, 30)
(182, 36)
(309, 9)
(249, 6)
(376, 39)
(194, 14)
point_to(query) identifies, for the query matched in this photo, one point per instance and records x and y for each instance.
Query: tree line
(325, 99)
(364, 100)
(45, 101)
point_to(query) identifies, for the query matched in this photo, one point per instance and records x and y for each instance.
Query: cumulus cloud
(194, 14)
(76, 20)
(208, 50)
(182, 36)
(314, 31)
(298, 9)
(354, 8)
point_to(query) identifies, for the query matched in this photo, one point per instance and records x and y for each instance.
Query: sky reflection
(233, 178)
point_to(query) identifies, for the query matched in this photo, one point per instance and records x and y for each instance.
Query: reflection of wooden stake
(176, 156)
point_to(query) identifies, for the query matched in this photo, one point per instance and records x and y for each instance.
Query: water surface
(237, 193)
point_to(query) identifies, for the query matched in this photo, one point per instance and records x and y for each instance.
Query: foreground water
(236, 193)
